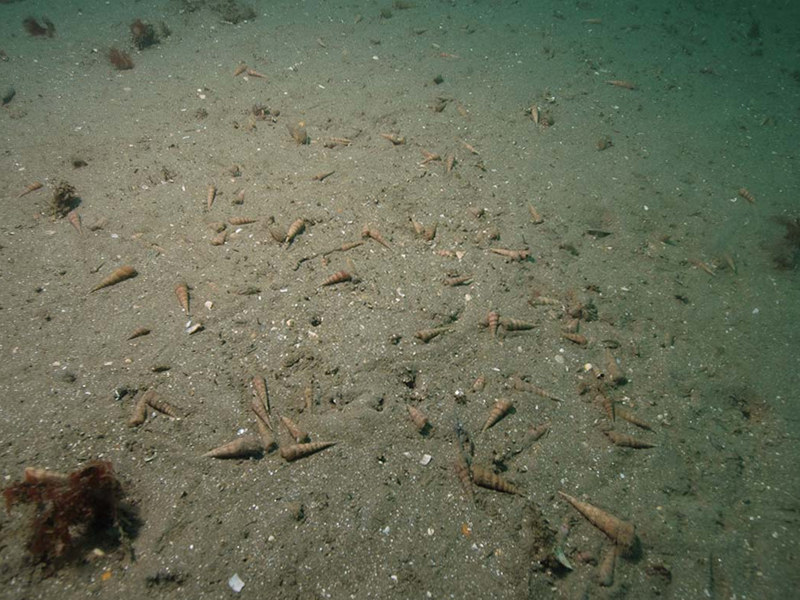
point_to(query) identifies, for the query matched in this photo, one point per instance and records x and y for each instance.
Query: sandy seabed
(420, 127)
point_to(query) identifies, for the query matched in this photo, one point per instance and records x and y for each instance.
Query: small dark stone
(8, 95)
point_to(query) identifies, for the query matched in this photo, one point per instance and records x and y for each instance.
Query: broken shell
(426, 335)
(241, 220)
(605, 572)
(299, 133)
(462, 469)
(278, 234)
(572, 326)
(419, 419)
(138, 332)
(396, 140)
(194, 328)
(139, 414)
(30, 188)
(534, 113)
(614, 372)
(369, 232)
(38, 475)
(265, 433)
(512, 255)
(575, 338)
(211, 193)
(536, 218)
(457, 280)
(153, 400)
(75, 220)
(492, 321)
(744, 193)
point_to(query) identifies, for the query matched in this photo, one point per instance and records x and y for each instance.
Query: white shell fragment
(236, 583)
(193, 328)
